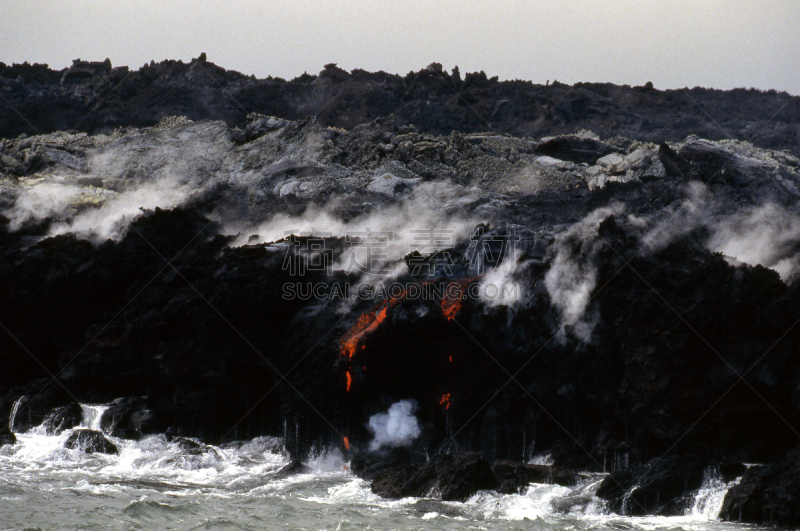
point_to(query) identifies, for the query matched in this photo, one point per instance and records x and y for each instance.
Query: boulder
(130, 418)
(451, 477)
(368, 466)
(63, 418)
(767, 494)
(90, 442)
(658, 487)
(512, 476)
(674, 165)
(190, 446)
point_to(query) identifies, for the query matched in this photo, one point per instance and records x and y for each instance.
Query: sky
(671, 43)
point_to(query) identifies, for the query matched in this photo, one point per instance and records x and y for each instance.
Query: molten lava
(366, 323)
(445, 401)
(370, 320)
(346, 443)
(454, 295)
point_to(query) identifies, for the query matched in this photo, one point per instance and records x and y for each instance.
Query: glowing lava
(346, 443)
(445, 401)
(454, 295)
(366, 323)
(369, 321)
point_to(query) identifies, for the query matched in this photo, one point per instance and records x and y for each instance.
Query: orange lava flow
(365, 324)
(349, 380)
(453, 297)
(346, 443)
(445, 401)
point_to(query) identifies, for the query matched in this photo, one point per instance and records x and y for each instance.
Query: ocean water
(154, 484)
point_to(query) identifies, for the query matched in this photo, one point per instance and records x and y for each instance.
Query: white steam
(498, 287)
(767, 234)
(397, 427)
(39, 201)
(695, 210)
(402, 228)
(111, 219)
(163, 167)
(573, 274)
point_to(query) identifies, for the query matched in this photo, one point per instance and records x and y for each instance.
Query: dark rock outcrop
(222, 354)
(95, 96)
(657, 487)
(513, 476)
(768, 494)
(131, 418)
(451, 477)
(6, 437)
(63, 418)
(90, 442)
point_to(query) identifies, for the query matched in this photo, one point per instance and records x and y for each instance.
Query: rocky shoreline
(146, 268)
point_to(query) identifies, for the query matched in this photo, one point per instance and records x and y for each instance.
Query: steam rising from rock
(767, 234)
(573, 274)
(397, 427)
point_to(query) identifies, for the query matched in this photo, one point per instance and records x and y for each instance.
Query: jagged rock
(85, 69)
(655, 172)
(35, 405)
(12, 165)
(258, 125)
(61, 99)
(654, 487)
(63, 418)
(451, 477)
(90, 442)
(513, 476)
(675, 166)
(768, 494)
(131, 418)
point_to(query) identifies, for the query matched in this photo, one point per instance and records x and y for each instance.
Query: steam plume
(397, 427)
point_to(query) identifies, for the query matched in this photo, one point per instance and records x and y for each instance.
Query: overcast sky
(673, 43)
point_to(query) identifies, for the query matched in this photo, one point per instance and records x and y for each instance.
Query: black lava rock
(63, 418)
(452, 477)
(657, 487)
(513, 476)
(768, 494)
(90, 442)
